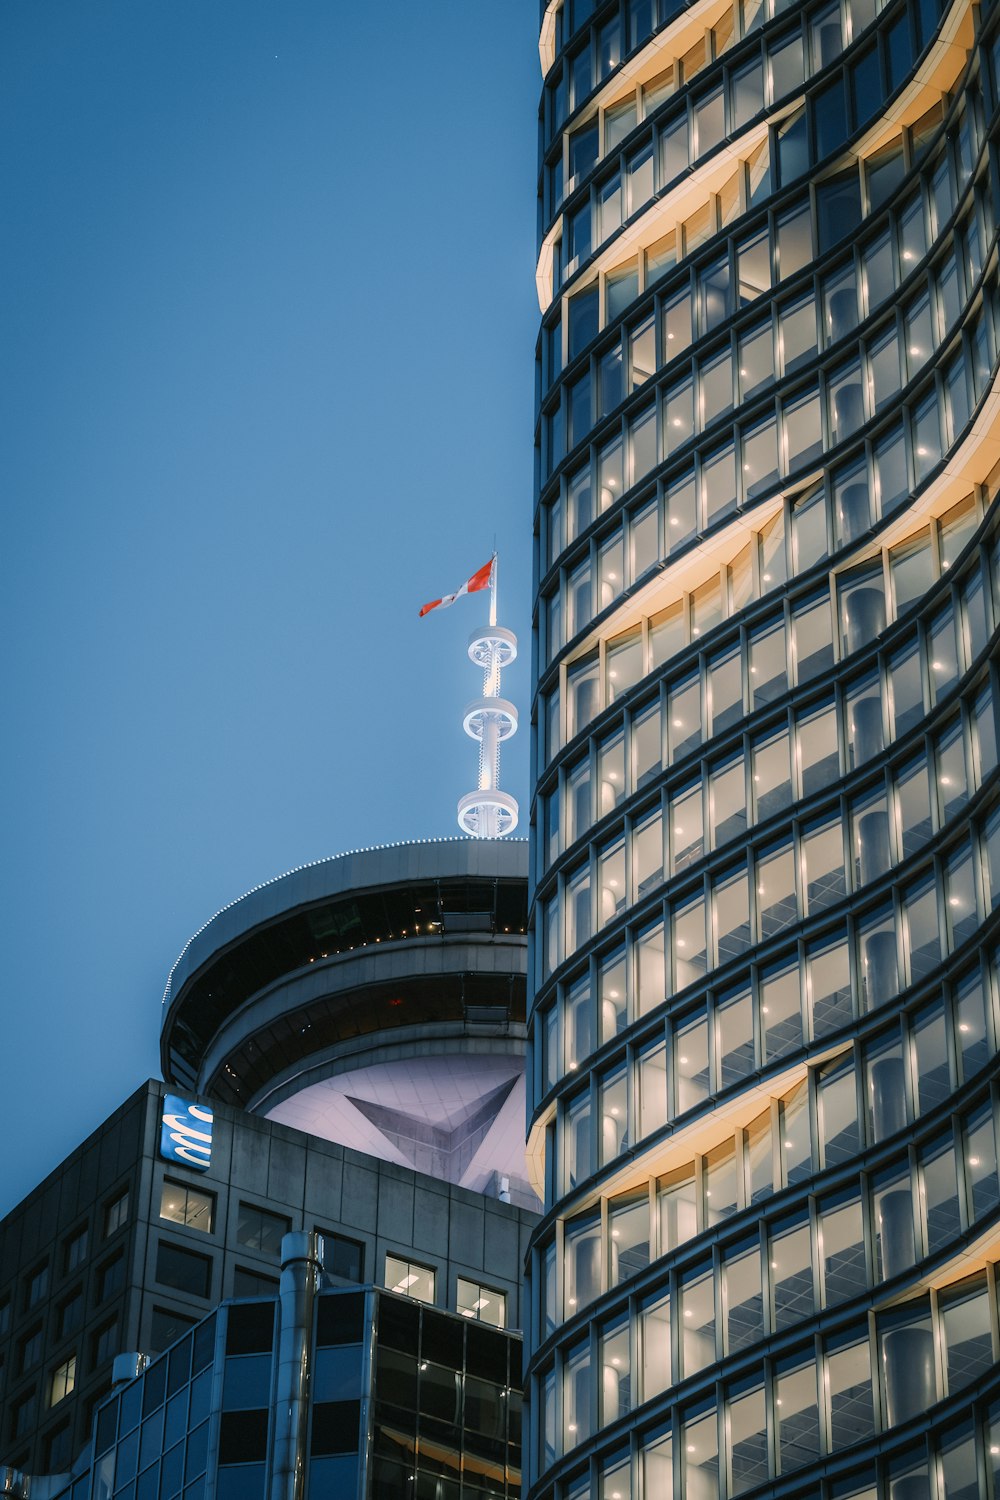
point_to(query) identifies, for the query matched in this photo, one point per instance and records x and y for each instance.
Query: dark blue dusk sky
(267, 320)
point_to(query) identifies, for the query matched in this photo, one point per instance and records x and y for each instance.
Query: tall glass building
(766, 948)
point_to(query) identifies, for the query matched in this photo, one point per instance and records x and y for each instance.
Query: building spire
(489, 813)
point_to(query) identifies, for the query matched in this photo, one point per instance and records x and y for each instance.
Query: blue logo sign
(186, 1135)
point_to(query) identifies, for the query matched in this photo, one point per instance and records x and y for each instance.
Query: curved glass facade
(765, 922)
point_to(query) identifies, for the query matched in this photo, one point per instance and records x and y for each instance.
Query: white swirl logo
(186, 1134)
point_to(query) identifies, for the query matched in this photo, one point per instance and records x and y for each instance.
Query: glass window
(116, 1213)
(725, 683)
(794, 1136)
(706, 606)
(628, 1217)
(183, 1269)
(624, 662)
(691, 1062)
(578, 802)
(697, 1323)
(681, 512)
(686, 829)
(647, 855)
(791, 1274)
(849, 1375)
(718, 483)
(753, 260)
(727, 801)
(576, 1396)
(771, 780)
(720, 1184)
(183, 1204)
(870, 837)
(972, 1034)
(700, 1454)
(583, 1262)
(796, 1415)
(614, 1114)
(621, 288)
(481, 1303)
(642, 352)
(828, 977)
(955, 528)
(837, 1106)
(816, 732)
(611, 771)
(579, 1147)
(979, 1144)
(823, 865)
(756, 359)
(840, 303)
(734, 1037)
(892, 1199)
(913, 799)
(678, 415)
(684, 716)
(775, 877)
(715, 387)
(907, 688)
(677, 330)
(768, 663)
(654, 1325)
(744, 1306)
(584, 313)
(883, 367)
(760, 1158)
(611, 994)
(812, 633)
(651, 968)
(646, 747)
(678, 1219)
(965, 1314)
(943, 1223)
(861, 593)
(797, 333)
(747, 1437)
(619, 121)
(891, 471)
(578, 1039)
(863, 703)
(845, 401)
(616, 1383)
(842, 1256)
(780, 1008)
(652, 1070)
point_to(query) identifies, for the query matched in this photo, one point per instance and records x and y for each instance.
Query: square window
(257, 1229)
(410, 1279)
(184, 1269)
(481, 1303)
(183, 1204)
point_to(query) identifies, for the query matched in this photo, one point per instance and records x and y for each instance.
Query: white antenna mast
(489, 813)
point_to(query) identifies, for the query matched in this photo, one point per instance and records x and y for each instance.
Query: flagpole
(488, 812)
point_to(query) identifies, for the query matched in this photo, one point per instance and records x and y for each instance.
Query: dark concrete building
(381, 997)
(766, 812)
(313, 1393)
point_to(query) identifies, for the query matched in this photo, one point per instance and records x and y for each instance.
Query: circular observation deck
(376, 999)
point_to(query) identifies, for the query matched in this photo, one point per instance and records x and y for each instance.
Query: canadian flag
(480, 580)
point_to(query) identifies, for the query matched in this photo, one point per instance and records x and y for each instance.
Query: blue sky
(267, 322)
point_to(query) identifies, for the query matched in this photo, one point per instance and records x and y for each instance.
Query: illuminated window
(63, 1380)
(481, 1303)
(185, 1205)
(409, 1279)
